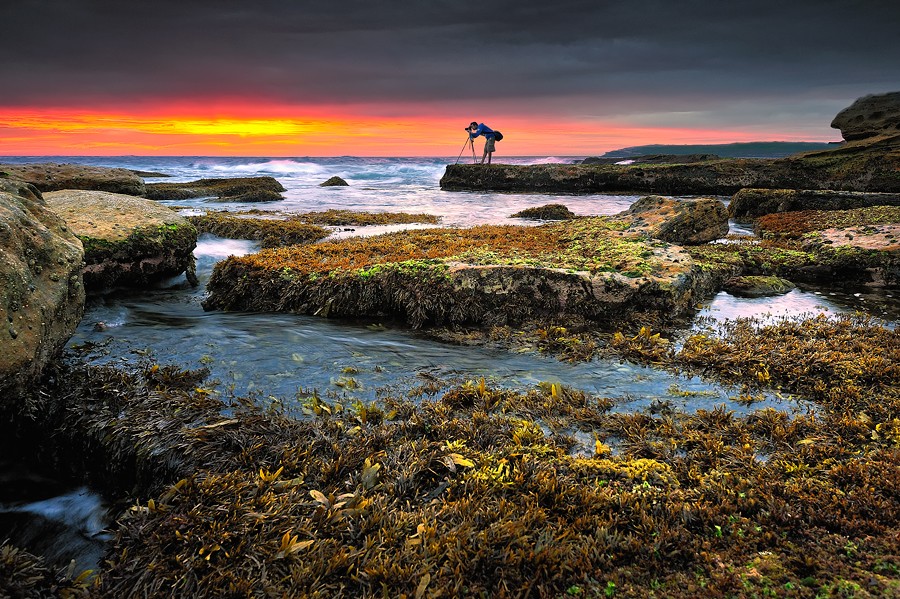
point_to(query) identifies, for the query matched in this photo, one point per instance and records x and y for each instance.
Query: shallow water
(284, 356)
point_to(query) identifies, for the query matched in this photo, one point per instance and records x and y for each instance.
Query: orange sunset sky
(309, 131)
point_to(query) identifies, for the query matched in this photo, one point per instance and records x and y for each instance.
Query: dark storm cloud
(588, 58)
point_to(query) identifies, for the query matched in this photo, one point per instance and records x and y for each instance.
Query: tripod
(471, 143)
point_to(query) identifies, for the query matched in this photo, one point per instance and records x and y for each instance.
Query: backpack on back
(497, 135)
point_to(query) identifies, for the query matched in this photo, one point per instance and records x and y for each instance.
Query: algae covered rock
(869, 116)
(546, 212)
(585, 269)
(52, 177)
(757, 286)
(685, 222)
(127, 240)
(758, 202)
(334, 182)
(42, 296)
(238, 189)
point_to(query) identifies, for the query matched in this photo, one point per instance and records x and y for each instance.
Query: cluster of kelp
(478, 491)
(408, 274)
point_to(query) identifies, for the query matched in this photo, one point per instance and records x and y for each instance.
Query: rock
(52, 177)
(757, 286)
(685, 222)
(546, 212)
(871, 164)
(42, 295)
(127, 240)
(869, 253)
(869, 116)
(581, 270)
(758, 202)
(334, 182)
(239, 189)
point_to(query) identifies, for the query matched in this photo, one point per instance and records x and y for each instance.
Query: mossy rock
(127, 240)
(334, 182)
(237, 189)
(546, 212)
(759, 202)
(269, 232)
(488, 275)
(757, 286)
(53, 177)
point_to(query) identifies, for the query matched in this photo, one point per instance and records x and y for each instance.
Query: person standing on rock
(476, 129)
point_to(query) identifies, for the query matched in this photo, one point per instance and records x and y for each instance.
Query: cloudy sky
(403, 78)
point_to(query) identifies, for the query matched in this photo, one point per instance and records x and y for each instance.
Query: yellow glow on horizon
(263, 131)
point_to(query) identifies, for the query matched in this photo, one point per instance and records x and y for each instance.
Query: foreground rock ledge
(127, 240)
(41, 295)
(589, 269)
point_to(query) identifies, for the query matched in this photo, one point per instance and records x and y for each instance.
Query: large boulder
(759, 202)
(42, 295)
(52, 177)
(685, 222)
(127, 240)
(870, 116)
(238, 189)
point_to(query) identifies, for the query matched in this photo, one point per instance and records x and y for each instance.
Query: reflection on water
(877, 302)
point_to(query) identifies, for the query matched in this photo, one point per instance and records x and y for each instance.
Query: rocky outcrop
(53, 177)
(758, 202)
(757, 286)
(239, 189)
(42, 296)
(127, 240)
(586, 269)
(688, 222)
(546, 212)
(870, 116)
(334, 182)
(871, 164)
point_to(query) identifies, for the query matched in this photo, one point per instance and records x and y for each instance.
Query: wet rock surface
(238, 189)
(53, 177)
(42, 295)
(127, 240)
(758, 202)
(689, 222)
